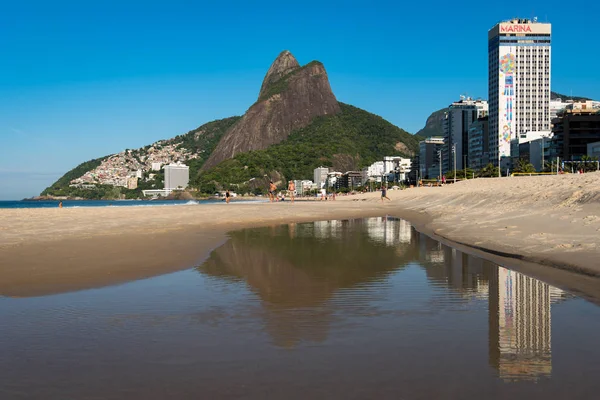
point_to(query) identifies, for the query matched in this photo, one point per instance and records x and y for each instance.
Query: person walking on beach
(227, 196)
(272, 190)
(384, 193)
(443, 180)
(60, 204)
(291, 190)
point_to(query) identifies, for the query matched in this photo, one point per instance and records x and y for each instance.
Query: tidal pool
(353, 309)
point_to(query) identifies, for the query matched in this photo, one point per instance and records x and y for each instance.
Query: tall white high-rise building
(177, 176)
(519, 82)
(320, 176)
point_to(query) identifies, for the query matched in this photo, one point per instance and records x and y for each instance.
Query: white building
(373, 172)
(156, 166)
(333, 178)
(320, 176)
(397, 165)
(303, 186)
(461, 114)
(519, 82)
(536, 143)
(177, 176)
(557, 105)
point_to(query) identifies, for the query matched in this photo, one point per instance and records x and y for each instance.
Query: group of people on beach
(291, 191)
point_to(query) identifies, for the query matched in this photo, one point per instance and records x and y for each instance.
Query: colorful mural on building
(506, 100)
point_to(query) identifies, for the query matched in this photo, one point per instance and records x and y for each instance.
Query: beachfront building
(593, 149)
(478, 154)
(303, 186)
(177, 176)
(373, 172)
(576, 126)
(518, 84)
(333, 180)
(320, 176)
(461, 114)
(396, 167)
(351, 180)
(430, 157)
(536, 151)
(528, 146)
(414, 174)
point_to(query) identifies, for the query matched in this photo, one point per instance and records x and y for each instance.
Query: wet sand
(549, 220)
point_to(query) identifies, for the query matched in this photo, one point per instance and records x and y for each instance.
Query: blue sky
(82, 79)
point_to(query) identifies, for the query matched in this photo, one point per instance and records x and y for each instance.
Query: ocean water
(353, 309)
(105, 203)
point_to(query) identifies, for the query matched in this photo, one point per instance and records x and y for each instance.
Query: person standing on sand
(291, 190)
(443, 180)
(227, 196)
(384, 193)
(272, 190)
(60, 204)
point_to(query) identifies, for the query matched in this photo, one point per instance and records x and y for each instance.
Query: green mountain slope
(61, 186)
(433, 126)
(346, 141)
(203, 140)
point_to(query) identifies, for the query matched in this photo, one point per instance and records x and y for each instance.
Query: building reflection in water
(520, 325)
(296, 270)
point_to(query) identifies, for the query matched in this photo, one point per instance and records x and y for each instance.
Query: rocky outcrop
(283, 65)
(290, 98)
(434, 125)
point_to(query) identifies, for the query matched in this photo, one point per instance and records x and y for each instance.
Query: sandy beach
(551, 221)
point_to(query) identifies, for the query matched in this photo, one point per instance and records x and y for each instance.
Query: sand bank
(549, 220)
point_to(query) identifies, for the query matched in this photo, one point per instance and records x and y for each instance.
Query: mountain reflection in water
(307, 275)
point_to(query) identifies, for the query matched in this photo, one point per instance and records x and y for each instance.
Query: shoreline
(548, 227)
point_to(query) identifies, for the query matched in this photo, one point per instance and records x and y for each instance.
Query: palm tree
(524, 166)
(489, 171)
(587, 164)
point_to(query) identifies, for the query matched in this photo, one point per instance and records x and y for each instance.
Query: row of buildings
(520, 120)
(391, 169)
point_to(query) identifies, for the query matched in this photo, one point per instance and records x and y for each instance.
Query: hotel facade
(519, 54)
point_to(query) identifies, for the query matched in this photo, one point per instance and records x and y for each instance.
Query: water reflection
(301, 271)
(520, 325)
(296, 269)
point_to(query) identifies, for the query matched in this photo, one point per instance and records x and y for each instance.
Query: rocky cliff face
(434, 125)
(283, 65)
(290, 98)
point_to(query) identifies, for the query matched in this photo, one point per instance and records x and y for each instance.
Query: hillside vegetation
(203, 140)
(61, 186)
(349, 140)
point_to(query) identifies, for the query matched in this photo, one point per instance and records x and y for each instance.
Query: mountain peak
(283, 65)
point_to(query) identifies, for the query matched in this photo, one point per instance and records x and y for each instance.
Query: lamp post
(454, 157)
